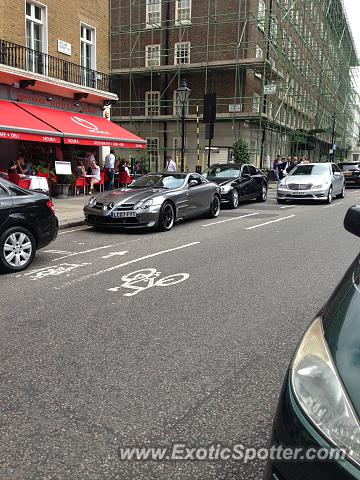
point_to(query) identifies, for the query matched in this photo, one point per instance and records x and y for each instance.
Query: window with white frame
(152, 55)
(256, 103)
(36, 36)
(153, 151)
(153, 13)
(182, 53)
(261, 14)
(87, 55)
(177, 107)
(152, 104)
(183, 11)
(259, 52)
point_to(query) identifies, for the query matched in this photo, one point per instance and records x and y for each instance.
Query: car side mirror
(246, 176)
(337, 174)
(193, 183)
(352, 220)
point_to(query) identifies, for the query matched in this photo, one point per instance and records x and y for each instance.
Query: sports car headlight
(319, 391)
(144, 204)
(282, 184)
(91, 202)
(226, 189)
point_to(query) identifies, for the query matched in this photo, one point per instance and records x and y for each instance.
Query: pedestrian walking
(110, 170)
(276, 167)
(170, 164)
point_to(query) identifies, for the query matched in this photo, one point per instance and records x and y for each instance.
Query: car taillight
(50, 205)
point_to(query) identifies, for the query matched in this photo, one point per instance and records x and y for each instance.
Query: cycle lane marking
(91, 250)
(147, 278)
(125, 264)
(271, 221)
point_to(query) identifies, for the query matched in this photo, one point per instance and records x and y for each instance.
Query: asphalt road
(86, 368)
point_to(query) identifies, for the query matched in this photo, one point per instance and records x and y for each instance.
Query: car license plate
(299, 193)
(347, 174)
(125, 214)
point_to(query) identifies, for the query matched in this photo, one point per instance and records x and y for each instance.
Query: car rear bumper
(47, 231)
(292, 429)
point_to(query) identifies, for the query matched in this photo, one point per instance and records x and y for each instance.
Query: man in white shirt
(170, 164)
(110, 170)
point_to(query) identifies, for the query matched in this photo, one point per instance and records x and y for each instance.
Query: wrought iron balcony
(17, 56)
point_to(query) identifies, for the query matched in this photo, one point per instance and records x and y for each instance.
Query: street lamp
(183, 94)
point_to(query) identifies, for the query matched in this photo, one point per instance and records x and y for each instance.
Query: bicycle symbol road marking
(141, 280)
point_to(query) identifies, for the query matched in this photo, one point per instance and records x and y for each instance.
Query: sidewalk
(70, 210)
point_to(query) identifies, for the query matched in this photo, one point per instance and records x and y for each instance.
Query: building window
(261, 14)
(256, 103)
(153, 151)
(152, 55)
(153, 13)
(183, 11)
(182, 53)
(87, 55)
(152, 104)
(259, 52)
(177, 106)
(36, 37)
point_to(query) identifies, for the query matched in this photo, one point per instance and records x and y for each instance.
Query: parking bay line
(125, 264)
(271, 221)
(74, 230)
(333, 205)
(229, 219)
(94, 249)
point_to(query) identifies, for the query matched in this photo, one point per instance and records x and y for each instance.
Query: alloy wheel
(168, 216)
(235, 198)
(17, 249)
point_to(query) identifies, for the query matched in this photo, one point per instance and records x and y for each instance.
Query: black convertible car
(27, 223)
(319, 406)
(238, 182)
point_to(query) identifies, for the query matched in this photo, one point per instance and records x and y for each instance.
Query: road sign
(270, 89)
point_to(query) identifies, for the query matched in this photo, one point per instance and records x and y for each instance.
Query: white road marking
(74, 230)
(56, 251)
(83, 252)
(53, 271)
(288, 206)
(229, 219)
(147, 278)
(267, 223)
(115, 254)
(333, 205)
(121, 265)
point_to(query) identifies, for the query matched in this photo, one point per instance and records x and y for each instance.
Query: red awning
(17, 124)
(81, 129)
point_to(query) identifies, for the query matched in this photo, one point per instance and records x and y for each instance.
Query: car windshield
(170, 181)
(348, 166)
(310, 170)
(222, 171)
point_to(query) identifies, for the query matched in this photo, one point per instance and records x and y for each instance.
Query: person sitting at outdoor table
(80, 169)
(95, 176)
(12, 168)
(28, 168)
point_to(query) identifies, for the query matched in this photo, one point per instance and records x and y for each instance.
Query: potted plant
(61, 185)
(241, 151)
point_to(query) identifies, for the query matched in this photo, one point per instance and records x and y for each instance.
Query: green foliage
(241, 151)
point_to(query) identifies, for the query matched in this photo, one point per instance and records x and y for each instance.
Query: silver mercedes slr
(156, 200)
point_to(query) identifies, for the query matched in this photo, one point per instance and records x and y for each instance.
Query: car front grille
(125, 206)
(98, 206)
(300, 186)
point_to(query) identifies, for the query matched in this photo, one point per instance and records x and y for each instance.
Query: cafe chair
(20, 182)
(79, 183)
(102, 182)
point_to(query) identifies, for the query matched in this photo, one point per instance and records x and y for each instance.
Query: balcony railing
(17, 56)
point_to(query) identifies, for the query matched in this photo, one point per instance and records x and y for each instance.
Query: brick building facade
(278, 68)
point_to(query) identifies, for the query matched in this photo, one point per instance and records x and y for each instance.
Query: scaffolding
(283, 71)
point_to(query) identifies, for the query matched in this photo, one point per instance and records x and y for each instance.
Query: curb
(70, 223)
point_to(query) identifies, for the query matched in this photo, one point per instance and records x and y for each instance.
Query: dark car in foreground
(27, 223)
(156, 200)
(319, 405)
(351, 172)
(238, 182)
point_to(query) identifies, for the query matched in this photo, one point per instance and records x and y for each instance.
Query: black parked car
(238, 182)
(27, 223)
(319, 405)
(351, 172)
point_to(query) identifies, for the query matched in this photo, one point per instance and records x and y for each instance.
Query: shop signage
(28, 137)
(235, 108)
(64, 47)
